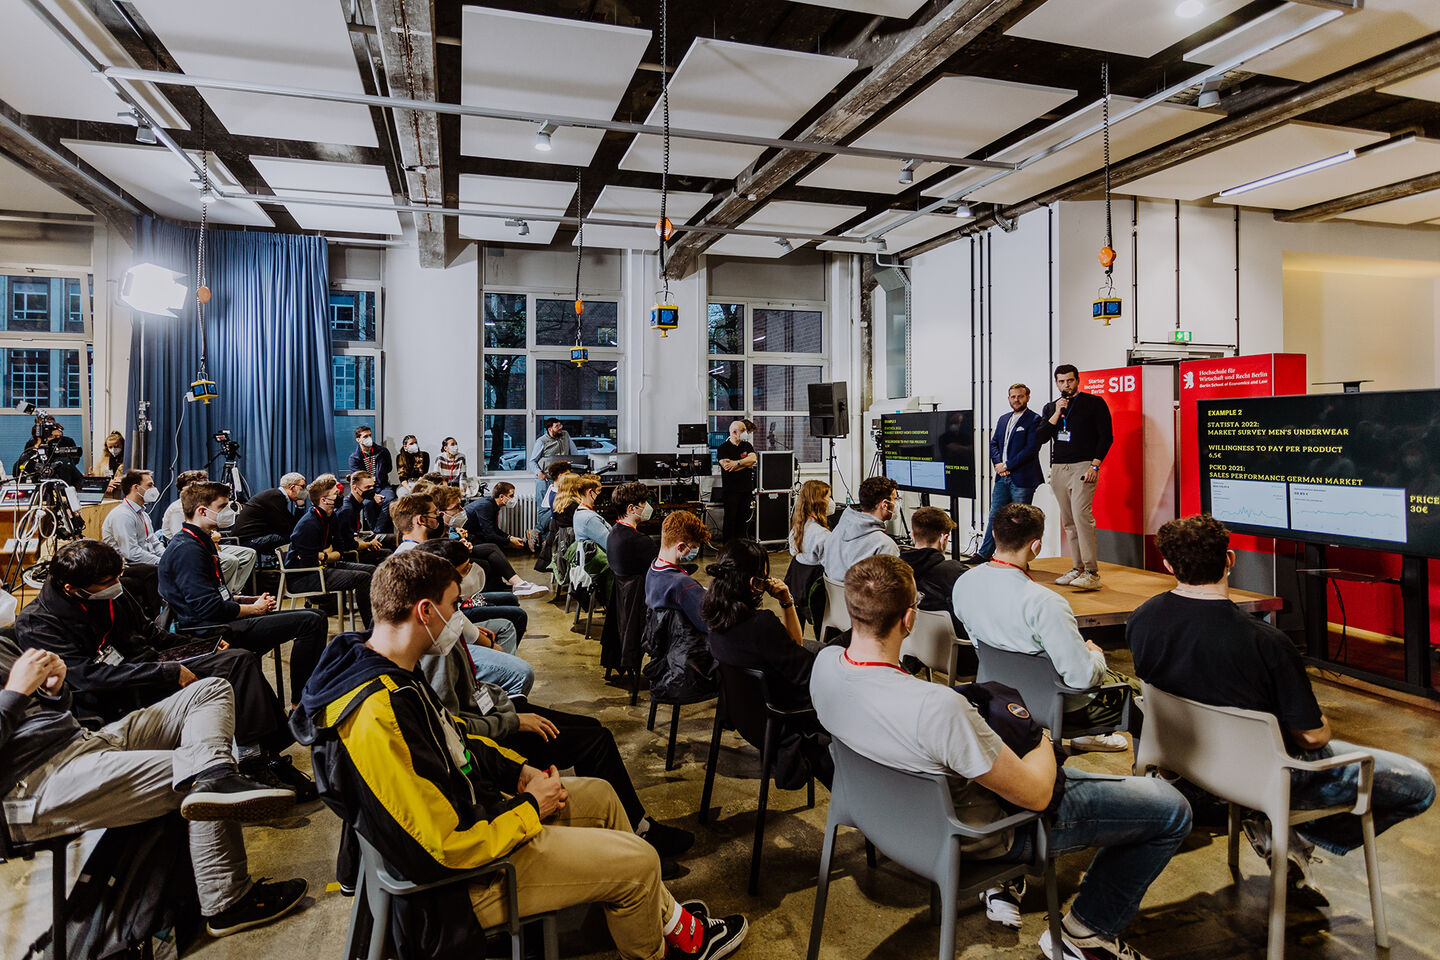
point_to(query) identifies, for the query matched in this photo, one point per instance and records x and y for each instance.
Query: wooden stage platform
(1123, 589)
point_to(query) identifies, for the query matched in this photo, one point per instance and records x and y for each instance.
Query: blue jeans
(505, 670)
(1402, 789)
(1006, 491)
(512, 614)
(1137, 823)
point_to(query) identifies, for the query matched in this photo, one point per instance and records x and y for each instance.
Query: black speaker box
(772, 516)
(776, 470)
(829, 410)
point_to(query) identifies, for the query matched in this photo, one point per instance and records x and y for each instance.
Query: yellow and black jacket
(404, 774)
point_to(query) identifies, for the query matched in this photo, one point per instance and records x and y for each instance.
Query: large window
(762, 357)
(45, 356)
(355, 318)
(529, 375)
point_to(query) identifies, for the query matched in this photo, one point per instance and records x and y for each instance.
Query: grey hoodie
(857, 535)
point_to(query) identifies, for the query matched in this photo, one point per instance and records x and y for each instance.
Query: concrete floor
(1195, 909)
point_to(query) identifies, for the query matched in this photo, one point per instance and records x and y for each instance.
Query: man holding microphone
(1079, 425)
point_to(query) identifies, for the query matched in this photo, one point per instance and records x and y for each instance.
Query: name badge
(20, 812)
(1063, 436)
(484, 701)
(225, 591)
(110, 656)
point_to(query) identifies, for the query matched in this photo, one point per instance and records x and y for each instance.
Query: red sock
(689, 934)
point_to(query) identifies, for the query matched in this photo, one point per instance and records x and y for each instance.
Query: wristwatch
(787, 606)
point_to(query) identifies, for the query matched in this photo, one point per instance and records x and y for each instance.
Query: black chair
(668, 624)
(12, 849)
(746, 704)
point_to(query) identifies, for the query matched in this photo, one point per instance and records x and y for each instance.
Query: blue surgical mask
(694, 552)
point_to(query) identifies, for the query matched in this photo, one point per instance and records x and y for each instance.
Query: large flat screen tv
(1354, 469)
(930, 452)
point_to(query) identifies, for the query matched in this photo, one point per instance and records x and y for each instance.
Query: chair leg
(379, 902)
(869, 854)
(949, 907)
(590, 618)
(1372, 874)
(674, 730)
(551, 937)
(822, 888)
(279, 678)
(635, 685)
(356, 912)
(711, 760)
(767, 761)
(58, 913)
(1279, 866)
(650, 723)
(810, 794)
(1234, 841)
(1052, 900)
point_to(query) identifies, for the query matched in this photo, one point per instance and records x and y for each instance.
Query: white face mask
(647, 511)
(367, 441)
(452, 448)
(152, 494)
(829, 506)
(412, 448)
(109, 593)
(458, 627)
(457, 519)
(114, 451)
(746, 436)
(226, 518)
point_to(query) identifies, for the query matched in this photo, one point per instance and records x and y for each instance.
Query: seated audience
(482, 517)
(809, 529)
(935, 570)
(112, 462)
(881, 712)
(860, 531)
(451, 462)
(237, 563)
(1193, 642)
(312, 544)
(411, 463)
(371, 456)
(191, 585)
(629, 551)
(570, 841)
(744, 635)
(112, 655)
(499, 571)
(588, 524)
(667, 585)
(546, 508)
(174, 755)
(349, 521)
(1002, 606)
(266, 519)
(479, 605)
(127, 527)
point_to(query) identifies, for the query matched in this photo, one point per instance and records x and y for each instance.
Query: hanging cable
(202, 284)
(578, 353)
(663, 226)
(1107, 305)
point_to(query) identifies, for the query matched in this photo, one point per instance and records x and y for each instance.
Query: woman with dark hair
(630, 552)
(411, 462)
(451, 462)
(744, 635)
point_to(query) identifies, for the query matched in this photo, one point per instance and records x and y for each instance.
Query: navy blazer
(482, 522)
(190, 580)
(1025, 443)
(312, 535)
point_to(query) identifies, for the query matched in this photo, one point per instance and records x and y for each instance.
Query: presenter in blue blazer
(1015, 451)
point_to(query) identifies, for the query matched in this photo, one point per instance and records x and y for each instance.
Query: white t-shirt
(906, 723)
(172, 521)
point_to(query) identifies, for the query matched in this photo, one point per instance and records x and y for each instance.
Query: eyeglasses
(918, 597)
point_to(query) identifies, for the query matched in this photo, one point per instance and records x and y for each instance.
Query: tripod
(48, 501)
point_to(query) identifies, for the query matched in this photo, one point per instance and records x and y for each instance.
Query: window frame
(750, 357)
(82, 341)
(535, 353)
(361, 348)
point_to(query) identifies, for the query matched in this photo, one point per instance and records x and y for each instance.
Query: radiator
(519, 516)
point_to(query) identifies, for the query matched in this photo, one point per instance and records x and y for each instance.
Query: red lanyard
(213, 554)
(871, 663)
(326, 521)
(105, 637)
(1007, 563)
(140, 512)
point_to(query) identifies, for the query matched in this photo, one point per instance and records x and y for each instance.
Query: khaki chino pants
(587, 853)
(1076, 499)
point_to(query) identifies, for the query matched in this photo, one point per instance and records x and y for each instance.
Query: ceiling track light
(784, 244)
(521, 225)
(144, 133)
(542, 136)
(962, 210)
(1209, 93)
(907, 172)
(1290, 174)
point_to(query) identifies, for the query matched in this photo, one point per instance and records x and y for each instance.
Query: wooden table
(1122, 591)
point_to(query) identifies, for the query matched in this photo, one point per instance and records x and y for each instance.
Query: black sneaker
(266, 901)
(283, 769)
(226, 795)
(668, 841)
(723, 935)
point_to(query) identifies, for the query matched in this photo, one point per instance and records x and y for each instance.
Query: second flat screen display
(930, 452)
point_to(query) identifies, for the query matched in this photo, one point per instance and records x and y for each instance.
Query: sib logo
(1189, 379)
(1121, 384)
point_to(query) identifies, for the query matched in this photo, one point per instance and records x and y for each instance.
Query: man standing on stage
(553, 444)
(1079, 425)
(1015, 451)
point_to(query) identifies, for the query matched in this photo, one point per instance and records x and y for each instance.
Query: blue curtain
(267, 328)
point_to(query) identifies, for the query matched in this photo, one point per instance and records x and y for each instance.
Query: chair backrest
(836, 613)
(1232, 753)
(1032, 675)
(909, 816)
(745, 694)
(932, 641)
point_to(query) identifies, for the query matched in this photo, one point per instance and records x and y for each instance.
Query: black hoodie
(935, 576)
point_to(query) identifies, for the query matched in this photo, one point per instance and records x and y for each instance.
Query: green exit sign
(1183, 336)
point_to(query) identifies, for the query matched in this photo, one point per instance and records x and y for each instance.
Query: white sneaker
(527, 589)
(1104, 743)
(1002, 903)
(1086, 581)
(1087, 948)
(1068, 577)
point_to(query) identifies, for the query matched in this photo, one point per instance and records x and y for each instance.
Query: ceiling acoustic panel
(1380, 26)
(1426, 86)
(915, 231)
(268, 41)
(542, 65)
(954, 116)
(1282, 148)
(1148, 128)
(161, 181)
(1420, 208)
(515, 198)
(41, 76)
(734, 88)
(22, 190)
(782, 216)
(1137, 28)
(622, 203)
(1390, 164)
(900, 9)
(321, 179)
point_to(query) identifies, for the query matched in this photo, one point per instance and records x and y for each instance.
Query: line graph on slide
(1257, 503)
(1372, 513)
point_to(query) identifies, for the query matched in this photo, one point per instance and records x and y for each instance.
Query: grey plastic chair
(11, 849)
(346, 607)
(746, 704)
(934, 643)
(1240, 756)
(837, 615)
(911, 819)
(1033, 676)
(376, 886)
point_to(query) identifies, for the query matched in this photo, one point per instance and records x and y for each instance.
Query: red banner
(1119, 504)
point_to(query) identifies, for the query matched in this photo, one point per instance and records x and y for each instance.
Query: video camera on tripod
(229, 446)
(46, 457)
